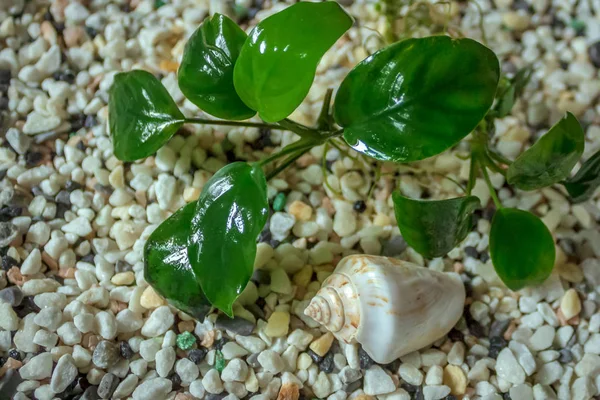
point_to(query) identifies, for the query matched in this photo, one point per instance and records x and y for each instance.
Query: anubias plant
(411, 100)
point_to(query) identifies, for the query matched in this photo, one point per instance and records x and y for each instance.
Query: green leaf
(551, 158)
(206, 70)
(434, 227)
(416, 98)
(231, 212)
(278, 62)
(583, 185)
(142, 116)
(512, 91)
(521, 248)
(166, 265)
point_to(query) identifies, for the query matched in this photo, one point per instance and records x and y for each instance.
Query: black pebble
(67, 76)
(220, 343)
(456, 336)
(125, 350)
(14, 354)
(265, 235)
(63, 197)
(90, 121)
(326, 364)
(506, 396)
(80, 145)
(240, 326)
(176, 380)
(394, 365)
(77, 121)
(450, 397)
(264, 139)
(215, 396)
(3, 103)
(8, 262)
(61, 209)
(88, 258)
(594, 53)
(499, 327)
(351, 387)
(72, 185)
(261, 276)
(197, 355)
(565, 356)
(364, 359)
(27, 306)
(360, 206)
(484, 257)
(5, 76)
(9, 212)
(2, 361)
(90, 31)
(474, 327)
(33, 159)
(471, 252)
(497, 343)
(91, 393)
(315, 357)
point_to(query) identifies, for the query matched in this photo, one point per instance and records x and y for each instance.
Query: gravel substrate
(77, 318)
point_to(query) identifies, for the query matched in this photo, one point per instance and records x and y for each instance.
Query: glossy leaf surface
(416, 98)
(551, 158)
(521, 248)
(585, 182)
(206, 71)
(230, 214)
(434, 227)
(277, 64)
(167, 267)
(142, 116)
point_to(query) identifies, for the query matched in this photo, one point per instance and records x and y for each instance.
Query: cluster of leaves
(409, 101)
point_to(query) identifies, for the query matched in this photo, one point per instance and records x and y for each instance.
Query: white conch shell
(391, 307)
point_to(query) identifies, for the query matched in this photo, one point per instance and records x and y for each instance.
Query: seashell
(391, 307)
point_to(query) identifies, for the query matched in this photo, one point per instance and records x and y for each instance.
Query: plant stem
(492, 164)
(287, 162)
(291, 148)
(498, 157)
(472, 174)
(495, 198)
(324, 120)
(324, 169)
(303, 131)
(231, 123)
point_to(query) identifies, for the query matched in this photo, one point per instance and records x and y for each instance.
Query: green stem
(287, 162)
(324, 120)
(498, 157)
(491, 164)
(472, 174)
(324, 169)
(291, 148)
(457, 183)
(495, 198)
(231, 123)
(342, 151)
(303, 131)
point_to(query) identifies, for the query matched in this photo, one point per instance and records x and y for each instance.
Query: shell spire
(390, 307)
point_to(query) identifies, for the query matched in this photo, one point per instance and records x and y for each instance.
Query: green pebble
(219, 361)
(185, 340)
(279, 202)
(158, 4)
